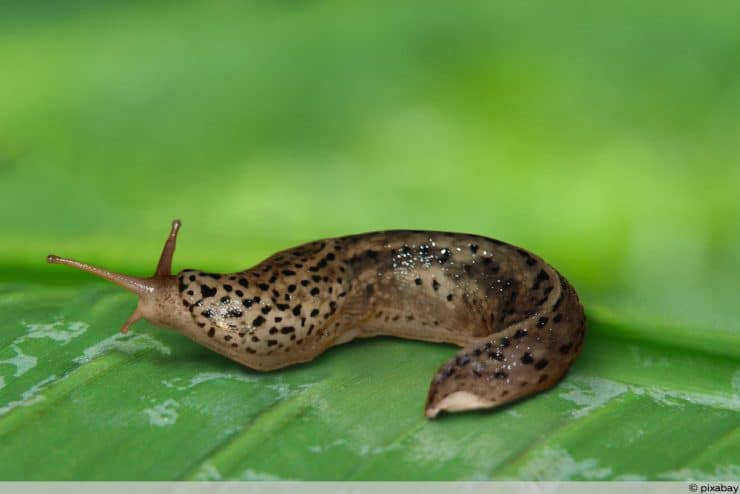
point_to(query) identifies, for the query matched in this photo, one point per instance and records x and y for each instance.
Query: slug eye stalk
(145, 288)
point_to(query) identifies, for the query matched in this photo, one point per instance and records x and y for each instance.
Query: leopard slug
(519, 322)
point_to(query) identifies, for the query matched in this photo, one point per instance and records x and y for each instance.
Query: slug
(519, 322)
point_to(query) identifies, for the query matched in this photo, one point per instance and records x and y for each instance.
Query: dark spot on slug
(527, 358)
(557, 318)
(565, 348)
(297, 310)
(520, 333)
(417, 281)
(541, 364)
(211, 332)
(541, 322)
(208, 313)
(234, 312)
(258, 321)
(264, 287)
(473, 248)
(500, 375)
(206, 291)
(226, 300)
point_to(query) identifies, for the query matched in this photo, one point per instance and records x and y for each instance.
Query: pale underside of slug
(518, 321)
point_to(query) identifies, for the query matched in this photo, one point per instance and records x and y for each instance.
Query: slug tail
(522, 360)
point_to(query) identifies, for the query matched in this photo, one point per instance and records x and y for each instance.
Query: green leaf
(95, 404)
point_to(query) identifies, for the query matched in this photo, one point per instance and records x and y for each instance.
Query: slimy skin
(518, 321)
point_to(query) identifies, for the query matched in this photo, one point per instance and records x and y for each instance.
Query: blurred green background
(603, 137)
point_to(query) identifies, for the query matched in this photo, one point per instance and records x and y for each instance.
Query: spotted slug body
(518, 321)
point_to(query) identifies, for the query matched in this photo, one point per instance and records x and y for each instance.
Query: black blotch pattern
(207, 291)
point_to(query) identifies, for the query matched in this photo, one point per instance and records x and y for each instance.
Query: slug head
(158, 295)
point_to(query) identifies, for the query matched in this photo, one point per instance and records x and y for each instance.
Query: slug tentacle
(164, 266)
(155, 293)
(518, 321)
(139, 286)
